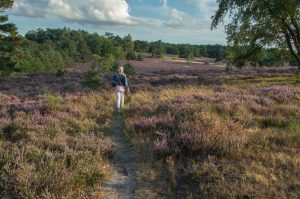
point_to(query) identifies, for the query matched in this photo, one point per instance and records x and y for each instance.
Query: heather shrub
(148, 124)
(209, 133)
(223, 141)
(55, 149)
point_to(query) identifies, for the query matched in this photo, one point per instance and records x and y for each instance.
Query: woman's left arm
(126, 81)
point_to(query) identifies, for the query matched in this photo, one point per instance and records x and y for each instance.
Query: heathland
(190, 129)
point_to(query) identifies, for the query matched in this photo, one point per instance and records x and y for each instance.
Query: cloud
(29, 8)
(96, 12)
(99, 13)
(180, 20)
(206, 7)
(164, 3)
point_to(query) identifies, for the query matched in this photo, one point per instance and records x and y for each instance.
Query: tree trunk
(292, 38)
(291, 49)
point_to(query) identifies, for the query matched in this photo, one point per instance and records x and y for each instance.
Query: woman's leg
(118, 99)
(122, 99)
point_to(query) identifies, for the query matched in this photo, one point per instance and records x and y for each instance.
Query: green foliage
(115, 67)
(217, 52)
(128, 44)
(185, 51)
(129, 69)
(33, 57)
(61, 72)
(119, 53)
(141, 46)
(53, 49)
(107, 47)
(99, 66)
(27, 62)
(107, 63)
(52, 59)
(258, 24)
(8, 40)
(94, 41)
(272, 57)
(172, 49)
(92, 79)
(157, 49)
(130, 55)
(84, 51)
(140, 57)
(239, 56)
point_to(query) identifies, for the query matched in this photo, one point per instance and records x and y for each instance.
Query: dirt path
(132, 177)
(123, 181)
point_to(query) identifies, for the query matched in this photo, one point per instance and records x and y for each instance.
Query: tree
(128, 44)
(8, 38)
(83, 50)
(141, 46)
(261, 23)
(94, 41)
(107, 47)
(186, 51)
(172, 49)
(157, 49)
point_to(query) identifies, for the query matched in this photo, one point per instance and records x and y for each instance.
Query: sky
(173, 21)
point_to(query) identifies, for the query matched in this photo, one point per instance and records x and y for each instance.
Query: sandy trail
(132, 177)
(123, 182)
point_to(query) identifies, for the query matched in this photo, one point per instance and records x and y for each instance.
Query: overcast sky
(175, 21)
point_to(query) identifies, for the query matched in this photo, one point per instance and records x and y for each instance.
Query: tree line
(55, 49)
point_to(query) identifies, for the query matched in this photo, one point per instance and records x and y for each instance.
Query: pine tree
(8, 39)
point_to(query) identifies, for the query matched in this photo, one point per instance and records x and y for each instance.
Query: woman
(121, 84)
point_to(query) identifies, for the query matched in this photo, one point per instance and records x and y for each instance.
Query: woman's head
(120, 69)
